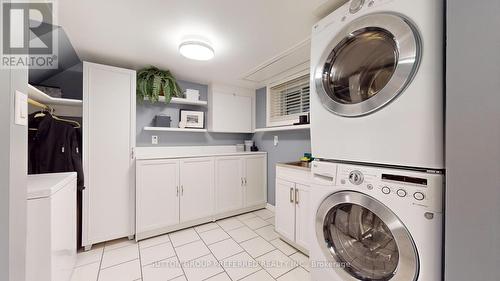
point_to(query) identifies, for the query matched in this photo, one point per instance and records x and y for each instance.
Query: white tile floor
(239, 248)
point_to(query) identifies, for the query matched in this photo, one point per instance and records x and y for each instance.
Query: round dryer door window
(367, 65)
(364, 240)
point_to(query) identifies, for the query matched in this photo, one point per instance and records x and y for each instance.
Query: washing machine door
(363, 240)
(368, 64)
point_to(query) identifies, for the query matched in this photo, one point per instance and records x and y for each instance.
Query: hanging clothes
(54, 147)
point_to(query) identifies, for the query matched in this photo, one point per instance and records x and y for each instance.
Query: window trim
(269, 122)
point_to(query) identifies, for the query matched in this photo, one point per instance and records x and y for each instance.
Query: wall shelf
(169, 129)
(39, 96)
(183, 101)
(284, 128)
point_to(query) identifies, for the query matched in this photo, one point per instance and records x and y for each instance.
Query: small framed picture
(192, 119)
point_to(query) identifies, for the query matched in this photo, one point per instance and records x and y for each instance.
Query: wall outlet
(154, 140)
(276, 140)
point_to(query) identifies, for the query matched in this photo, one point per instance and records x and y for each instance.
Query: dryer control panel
(419, 189)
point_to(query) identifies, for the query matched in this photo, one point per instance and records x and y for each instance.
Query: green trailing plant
(153, 83)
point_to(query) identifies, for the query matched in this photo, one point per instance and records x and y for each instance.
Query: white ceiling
(134, 33)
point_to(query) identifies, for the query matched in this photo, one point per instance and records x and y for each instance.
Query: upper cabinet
(230, 109)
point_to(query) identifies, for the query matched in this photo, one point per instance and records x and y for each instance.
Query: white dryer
(376, 224)
(377, 83)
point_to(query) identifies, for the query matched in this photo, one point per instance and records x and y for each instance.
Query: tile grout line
(140, 259)
(261, 268)
(177, 256)
(207, 245)
(100, 263)
(120, 263)
(297, 266)
(210, 250)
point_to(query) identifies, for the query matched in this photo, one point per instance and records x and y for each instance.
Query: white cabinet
(230, 109)
(255, 180)
(109, 96)
(241, 182)
(177, 193)
(285, 209)
(170, 192)
(302, 219)
(292, 207)
(229, 183)
(157, 194)
(197, 188)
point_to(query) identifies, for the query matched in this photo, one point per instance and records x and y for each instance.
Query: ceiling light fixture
(197, 50)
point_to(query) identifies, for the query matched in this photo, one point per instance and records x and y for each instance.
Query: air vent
(293, 58)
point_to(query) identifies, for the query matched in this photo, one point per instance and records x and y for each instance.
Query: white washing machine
(377, 83)
(376, 224)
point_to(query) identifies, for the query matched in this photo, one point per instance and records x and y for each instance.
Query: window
(287, 101)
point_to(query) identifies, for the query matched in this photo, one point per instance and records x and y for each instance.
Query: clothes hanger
(45, 108)
(74, 123)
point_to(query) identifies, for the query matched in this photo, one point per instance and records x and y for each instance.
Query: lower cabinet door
(302, 219)
(229, 184)
(197, 188)
(285, 209)
(255, 181)
(157, 196)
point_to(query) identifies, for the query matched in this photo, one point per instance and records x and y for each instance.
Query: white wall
(472, 242)
(13, 171)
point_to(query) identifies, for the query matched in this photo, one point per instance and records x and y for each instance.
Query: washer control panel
(420, 189)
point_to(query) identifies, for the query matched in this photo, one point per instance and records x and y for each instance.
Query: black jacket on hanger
(54, 147)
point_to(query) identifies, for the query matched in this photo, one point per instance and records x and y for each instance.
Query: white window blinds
(289, 100)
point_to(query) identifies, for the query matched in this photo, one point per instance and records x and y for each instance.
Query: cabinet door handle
(291, 195)
(242, 182)
(296, 196)
(182, 190)
(245, 181)
(177, 191)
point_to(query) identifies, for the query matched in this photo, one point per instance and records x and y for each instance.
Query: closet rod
(38, 104)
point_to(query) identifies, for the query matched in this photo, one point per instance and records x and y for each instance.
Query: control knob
(356, 177)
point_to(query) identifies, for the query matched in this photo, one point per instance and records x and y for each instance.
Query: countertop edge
(285, 165)
(142, 158)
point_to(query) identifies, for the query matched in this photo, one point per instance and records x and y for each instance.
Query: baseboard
(270, 207)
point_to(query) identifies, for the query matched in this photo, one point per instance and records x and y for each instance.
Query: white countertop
(45, 185)
(148, 153)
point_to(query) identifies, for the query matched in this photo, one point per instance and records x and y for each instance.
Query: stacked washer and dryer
(377, 129)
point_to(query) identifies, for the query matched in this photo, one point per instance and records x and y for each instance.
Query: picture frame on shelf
(192, 119)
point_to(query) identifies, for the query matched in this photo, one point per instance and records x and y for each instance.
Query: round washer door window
(365, 239)
(367, 65)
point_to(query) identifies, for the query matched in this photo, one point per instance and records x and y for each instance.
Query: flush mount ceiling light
(197, 50)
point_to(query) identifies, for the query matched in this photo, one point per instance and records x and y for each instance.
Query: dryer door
(367, 65)
(364, 240)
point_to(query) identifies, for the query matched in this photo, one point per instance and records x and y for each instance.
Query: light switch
(276, 140)
(21, 109)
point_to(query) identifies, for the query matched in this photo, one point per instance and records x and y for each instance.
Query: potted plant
(153, 83)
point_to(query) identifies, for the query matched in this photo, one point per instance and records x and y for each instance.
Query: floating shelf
(39, 96)
(284, 128)
(169, 129)
(183, 101)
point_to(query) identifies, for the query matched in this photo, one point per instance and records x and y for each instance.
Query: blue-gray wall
(472, 242)
(147, 111)
(291, 146)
